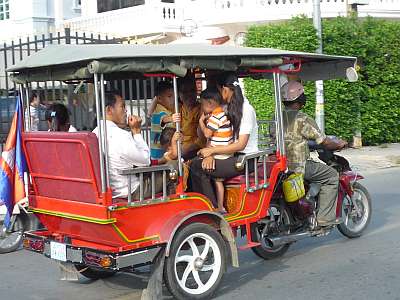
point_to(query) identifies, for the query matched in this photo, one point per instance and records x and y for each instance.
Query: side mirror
(351, 74)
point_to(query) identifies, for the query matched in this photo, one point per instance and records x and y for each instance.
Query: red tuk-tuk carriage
(189, 243)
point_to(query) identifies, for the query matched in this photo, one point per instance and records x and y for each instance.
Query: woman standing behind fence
(34, 106)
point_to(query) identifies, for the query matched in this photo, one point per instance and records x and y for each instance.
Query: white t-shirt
(249, 125)
(124, 151)
(34, 112)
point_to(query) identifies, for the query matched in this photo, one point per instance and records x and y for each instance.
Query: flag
(13, 165)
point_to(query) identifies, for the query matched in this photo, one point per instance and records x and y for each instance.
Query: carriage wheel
(196, 263)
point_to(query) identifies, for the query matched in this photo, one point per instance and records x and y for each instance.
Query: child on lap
(217, 128)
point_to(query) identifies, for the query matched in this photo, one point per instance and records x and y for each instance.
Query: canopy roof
(80, 62)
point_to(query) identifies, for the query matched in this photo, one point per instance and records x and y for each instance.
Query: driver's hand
(134, 123)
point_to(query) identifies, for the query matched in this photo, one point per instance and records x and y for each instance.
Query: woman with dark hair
(57, 117)
(245, 131)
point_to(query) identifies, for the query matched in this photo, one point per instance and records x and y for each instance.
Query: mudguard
(173, 225)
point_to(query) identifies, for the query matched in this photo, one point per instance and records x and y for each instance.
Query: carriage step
(249, 245)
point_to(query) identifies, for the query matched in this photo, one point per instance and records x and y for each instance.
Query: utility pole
(319, 84)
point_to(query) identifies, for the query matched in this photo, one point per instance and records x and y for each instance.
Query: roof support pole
(21, 95)
(28, 108)
(103, 111)
(280, 138)
(100, 131)
(178, 126)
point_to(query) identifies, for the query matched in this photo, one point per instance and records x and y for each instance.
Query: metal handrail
(256, 157)
(140, 171)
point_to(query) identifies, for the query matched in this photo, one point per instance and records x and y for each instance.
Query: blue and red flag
(13, 165)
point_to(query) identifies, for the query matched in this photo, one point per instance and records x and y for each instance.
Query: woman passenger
(57, 117)
(242, 116)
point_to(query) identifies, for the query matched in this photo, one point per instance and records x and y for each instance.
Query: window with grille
(107, 5)
(4, 10)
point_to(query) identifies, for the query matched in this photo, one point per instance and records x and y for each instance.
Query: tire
(354, 225)
(12, 240)
(94, 273)
(264, 250)
(192, 247)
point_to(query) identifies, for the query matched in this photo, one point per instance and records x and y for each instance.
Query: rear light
(97, 259)
(33, 244)
(106, 262)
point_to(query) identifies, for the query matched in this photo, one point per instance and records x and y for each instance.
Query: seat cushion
(241, 179)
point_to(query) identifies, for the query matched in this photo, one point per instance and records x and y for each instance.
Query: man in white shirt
(125, 148)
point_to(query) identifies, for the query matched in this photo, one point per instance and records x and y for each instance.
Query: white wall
(30, 17)
(89, 8)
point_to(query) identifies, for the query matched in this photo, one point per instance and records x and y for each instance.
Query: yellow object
(293, 187)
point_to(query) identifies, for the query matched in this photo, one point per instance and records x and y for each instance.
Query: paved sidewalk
(371, 158)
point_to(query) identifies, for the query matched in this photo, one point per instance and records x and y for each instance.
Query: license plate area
(58, 251)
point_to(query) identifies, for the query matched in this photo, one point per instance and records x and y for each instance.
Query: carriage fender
(180, 219)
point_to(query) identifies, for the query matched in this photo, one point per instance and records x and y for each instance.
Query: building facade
(23, 18)
(163, 21)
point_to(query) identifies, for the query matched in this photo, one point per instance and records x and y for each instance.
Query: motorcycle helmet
(294, 90)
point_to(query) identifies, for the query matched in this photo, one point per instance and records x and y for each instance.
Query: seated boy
(161, 116)
(216, 127)
(169, 142)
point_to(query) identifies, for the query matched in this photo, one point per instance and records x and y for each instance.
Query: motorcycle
(287, 223)
(11, 235)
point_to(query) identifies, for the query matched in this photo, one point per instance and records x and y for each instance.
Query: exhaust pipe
(285, 239)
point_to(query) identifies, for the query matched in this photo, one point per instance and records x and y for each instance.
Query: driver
(298, 129)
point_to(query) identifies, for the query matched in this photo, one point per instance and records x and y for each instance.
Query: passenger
(299, 128)
(34, 107)
(162, 117)
(57, 117)
(216, 127)
(190, 110)
(169, 140)
(125, 148)
(245, 132)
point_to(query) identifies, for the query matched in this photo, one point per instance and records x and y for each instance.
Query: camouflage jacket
(298, 129)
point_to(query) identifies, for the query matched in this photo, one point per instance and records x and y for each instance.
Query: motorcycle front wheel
(356, 212)
(11, 238)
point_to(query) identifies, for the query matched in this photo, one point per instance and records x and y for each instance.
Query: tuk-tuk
(181, 234)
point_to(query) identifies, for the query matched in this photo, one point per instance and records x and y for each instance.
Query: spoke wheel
(275, 220)
(196, 262)
(11, 239)
(356, 212)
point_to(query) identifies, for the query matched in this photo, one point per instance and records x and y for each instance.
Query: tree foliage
(372, 103)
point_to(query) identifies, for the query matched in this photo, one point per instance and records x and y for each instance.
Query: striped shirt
(222, 130)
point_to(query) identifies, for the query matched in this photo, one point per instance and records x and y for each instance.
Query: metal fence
(79, 99)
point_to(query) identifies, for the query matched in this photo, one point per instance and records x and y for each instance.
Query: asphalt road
(331, 267)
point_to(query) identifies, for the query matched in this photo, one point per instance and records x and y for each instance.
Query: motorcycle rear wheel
(264, 250)
(355, 222)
